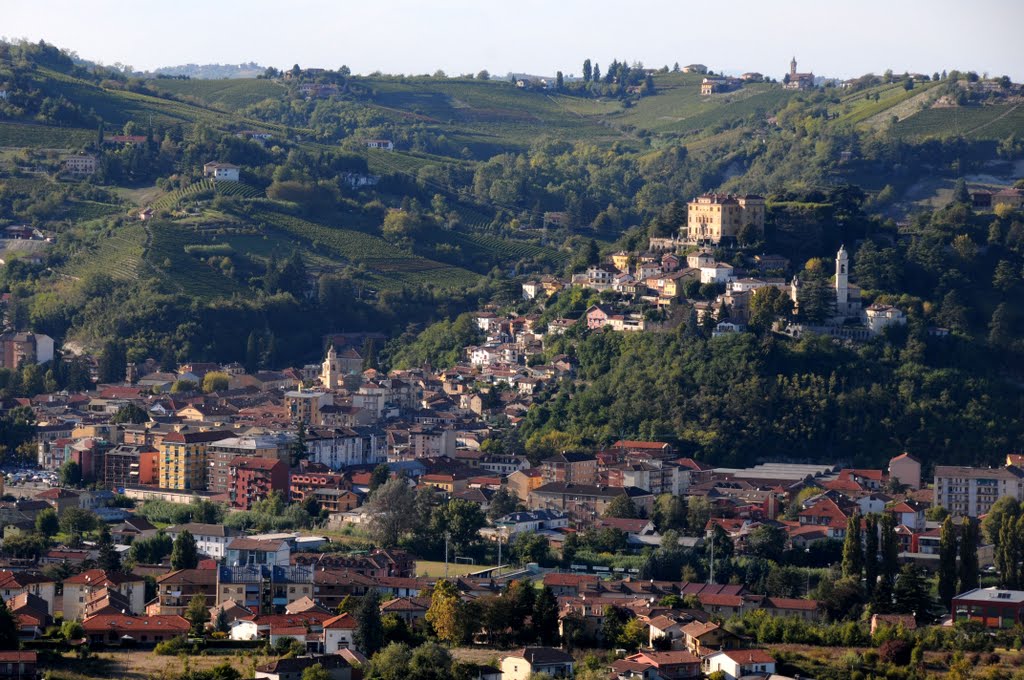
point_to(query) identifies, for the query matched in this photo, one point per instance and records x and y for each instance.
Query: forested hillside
(488, 182)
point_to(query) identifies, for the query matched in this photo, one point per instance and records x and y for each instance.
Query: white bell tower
(842, 281)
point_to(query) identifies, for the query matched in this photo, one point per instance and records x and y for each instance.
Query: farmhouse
(80, 165)
(382, 144)
(221, 171)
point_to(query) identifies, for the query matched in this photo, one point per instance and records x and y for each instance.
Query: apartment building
(183, 460)
(973, 491)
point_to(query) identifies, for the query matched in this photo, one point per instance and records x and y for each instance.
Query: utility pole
(499, 550)
(712, 577)
(446, 535)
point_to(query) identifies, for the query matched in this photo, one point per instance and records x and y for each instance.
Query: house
(907, 621)
(701, 638)
(80, 588)
(523, 663)
(243, 551)
(60, 499)
(737, 663)
(973, 491)
(906, 469)
(211, 539)
(878, 317)
(18, 666)
(175, 590)
(13, 584)
(254, 479)
(577, 468)
(382, 144)
(32, 613)
(670, 665)
(339, 633)
(665, 626)
(712, 218)
(337, 667)
(221, 172)
(145, 630)
(80, 165)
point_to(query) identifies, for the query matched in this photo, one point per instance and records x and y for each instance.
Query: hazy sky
(841, 38)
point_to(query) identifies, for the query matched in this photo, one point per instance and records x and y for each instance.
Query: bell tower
(842, 280)
(792, 67)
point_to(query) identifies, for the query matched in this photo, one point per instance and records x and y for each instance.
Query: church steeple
(792, 67)
(842, 280)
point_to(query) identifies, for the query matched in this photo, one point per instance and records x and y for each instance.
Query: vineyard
(228, 94)
(118, 254)
(974, 122)
(182, 270)
(202, 189)
(21, 135)
(393, 267)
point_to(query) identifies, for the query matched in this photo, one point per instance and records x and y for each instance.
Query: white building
(523, 663)
(878, 317)
(382, 144)
(973, 491)
(736, 663)
(211, 539)
(719, 272)
(339, 633)
(221, 172)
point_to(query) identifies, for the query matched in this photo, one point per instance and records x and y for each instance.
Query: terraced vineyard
(173, 199)
(974, 122)
(118, 255)
(393, 267)
(509, 250)
(184, 272)
(240, 189)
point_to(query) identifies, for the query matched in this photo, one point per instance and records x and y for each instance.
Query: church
(848, 298)
(797, 81)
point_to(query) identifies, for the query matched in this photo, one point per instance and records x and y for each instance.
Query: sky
(838, 38)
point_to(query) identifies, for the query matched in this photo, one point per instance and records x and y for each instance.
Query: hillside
(487, 180)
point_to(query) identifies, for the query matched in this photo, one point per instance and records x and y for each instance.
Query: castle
(712, 218)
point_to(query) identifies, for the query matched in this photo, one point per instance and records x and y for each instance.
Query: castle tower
(842, 281)
(792, 67)
(330, 372)
(794, 292)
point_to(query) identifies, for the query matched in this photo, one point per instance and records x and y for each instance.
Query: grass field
(436, 569)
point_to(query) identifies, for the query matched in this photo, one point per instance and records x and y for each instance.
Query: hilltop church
(797, 81)
(848, 300)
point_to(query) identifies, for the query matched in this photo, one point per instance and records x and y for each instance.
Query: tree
(215, 381)
(445, 612)
(221, 623)
(391, 510)
(380, 474)
(503, 502)
(47, 523)
(889, 564)
(871, 554)
(613, 625)
(766, 304)
(912, 595)
(8, 628)
(528, 546)
(184, 554)
(1005, 277)
(1000, 328)
(109, 559)
(698, 512)
(960, 193)
(197, 614)
(947, 562)
(621, 507)
(545, 617)
(559, 81)
(853, 558)
(483, 75)
(766, 542)
(70, 473)
(669, 513)
(968, 555)
(596, 77)
(315, 672)
(75, 521)
(588, 72)
(461, 520)
(130, 413)
(369, 635)
(72, 630)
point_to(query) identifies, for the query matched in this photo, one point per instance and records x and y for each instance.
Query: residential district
(330, 437)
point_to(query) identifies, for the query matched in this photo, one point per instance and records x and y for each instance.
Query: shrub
(895, 652)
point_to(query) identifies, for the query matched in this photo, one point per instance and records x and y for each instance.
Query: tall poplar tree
(947, 562)
(853, 557)
(871, 555)
(889, 565)
(969, 555)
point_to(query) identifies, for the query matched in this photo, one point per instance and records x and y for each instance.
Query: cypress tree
(947, 562)
(871, 555)
(853, 558)
(969, 555)
(889, 565)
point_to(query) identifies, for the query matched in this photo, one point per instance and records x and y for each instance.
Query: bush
(171, 647)
(895, 652)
